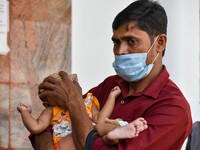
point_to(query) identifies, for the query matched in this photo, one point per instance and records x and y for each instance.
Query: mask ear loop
(155, 58)
(153, 44)
(151, 48)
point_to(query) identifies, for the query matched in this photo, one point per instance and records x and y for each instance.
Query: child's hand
(115, 91)
(112, 121)
(21, 107)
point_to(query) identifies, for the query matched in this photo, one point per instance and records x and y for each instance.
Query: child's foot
(130, 130)
(140, 125)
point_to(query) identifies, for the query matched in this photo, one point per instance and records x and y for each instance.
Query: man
(139, 36)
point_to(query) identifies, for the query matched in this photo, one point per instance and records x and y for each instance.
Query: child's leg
(67, 143)
(110, 142)
(130, 130)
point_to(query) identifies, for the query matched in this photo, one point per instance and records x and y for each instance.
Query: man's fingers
(78, 85)
(44, 95)
(49, 97)
(45, 104)
(63, 75)
(45, 86)
(51, 80)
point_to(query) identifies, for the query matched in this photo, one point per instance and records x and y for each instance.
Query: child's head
(72, 77)
(57, 76)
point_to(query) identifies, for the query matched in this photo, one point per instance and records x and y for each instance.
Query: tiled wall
(40, 43)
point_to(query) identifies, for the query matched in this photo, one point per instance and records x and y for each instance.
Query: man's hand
(59, 92)
(68, 94)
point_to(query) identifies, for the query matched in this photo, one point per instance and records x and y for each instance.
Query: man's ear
(161, 43)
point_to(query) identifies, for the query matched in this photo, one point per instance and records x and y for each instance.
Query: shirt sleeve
(168, 125)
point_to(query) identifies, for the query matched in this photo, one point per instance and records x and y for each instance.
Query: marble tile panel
(40, 42)
(26, 94)
(4, 65)
(19, 138)
(4, 115)
(39, 49)
(4, 134)
(56, 11)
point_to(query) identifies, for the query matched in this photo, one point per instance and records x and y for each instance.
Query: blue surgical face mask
(132, 67)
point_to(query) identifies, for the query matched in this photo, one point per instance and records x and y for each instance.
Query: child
(60, 119)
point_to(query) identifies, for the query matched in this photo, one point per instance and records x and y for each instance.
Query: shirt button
(122, 102)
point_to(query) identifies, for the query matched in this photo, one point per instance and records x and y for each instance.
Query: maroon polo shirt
(162, 104)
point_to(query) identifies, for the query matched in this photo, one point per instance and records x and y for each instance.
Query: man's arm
(81, 123)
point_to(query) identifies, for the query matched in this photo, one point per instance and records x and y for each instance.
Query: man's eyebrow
(124, 38)
(128, 37)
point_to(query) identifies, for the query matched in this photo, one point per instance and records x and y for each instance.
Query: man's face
(129, 39)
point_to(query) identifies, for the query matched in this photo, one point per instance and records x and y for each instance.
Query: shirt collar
(152, 90)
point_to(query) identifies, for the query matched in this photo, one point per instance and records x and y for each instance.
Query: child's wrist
(112, 96)
(25, 111)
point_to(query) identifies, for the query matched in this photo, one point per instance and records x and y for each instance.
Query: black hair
(147, 15)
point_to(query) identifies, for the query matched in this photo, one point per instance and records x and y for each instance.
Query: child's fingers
(28, 106)
(117, 88)
(137, 132)
(23, 104)
(20, 105)
(146, 126)
(111, 121)
(144, 122)
(141, 119)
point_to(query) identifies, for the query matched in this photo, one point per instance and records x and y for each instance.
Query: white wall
(182, 54)
(92, 55)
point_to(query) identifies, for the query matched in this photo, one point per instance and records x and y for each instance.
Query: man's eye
(131, 41)
(116, 42)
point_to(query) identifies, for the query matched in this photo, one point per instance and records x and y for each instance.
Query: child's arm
(99, 117)
(35, 126)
